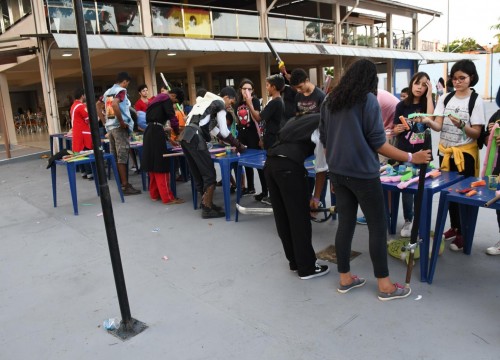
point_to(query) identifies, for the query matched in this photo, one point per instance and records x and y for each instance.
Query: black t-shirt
(289, 99)
(273, 115)
(310, 104)
(245, 120)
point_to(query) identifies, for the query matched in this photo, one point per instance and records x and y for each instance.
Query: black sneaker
(211, 213)
(90, 176)
(259, 197)
(319, 271)
(130, 190)
(266, 200)
(247, 192)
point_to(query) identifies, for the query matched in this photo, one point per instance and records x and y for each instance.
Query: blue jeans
(368, 194)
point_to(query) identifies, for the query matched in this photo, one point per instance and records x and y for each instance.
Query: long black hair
(423, 99)
(353, 88)
(239, 96)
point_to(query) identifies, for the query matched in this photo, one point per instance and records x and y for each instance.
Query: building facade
(208, 44)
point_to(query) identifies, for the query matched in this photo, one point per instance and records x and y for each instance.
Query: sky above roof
(467, 19)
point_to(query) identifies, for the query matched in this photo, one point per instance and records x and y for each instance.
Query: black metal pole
(107, 208)
(418, 211)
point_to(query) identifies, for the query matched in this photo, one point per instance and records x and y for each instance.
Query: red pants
(159, 186)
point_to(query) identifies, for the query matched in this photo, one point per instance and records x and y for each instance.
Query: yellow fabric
(458, 156)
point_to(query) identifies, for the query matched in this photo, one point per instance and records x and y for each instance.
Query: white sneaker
(494, 250)
(406, 230)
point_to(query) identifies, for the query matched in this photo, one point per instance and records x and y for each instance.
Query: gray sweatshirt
(351, 138)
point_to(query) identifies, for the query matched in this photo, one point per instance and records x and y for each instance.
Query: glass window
(327, 32)
(167, 20)
(112, 18)
(61, 19)
(295, 30)
(5, 14)
(248, 26)
(127, 18)
(26, 7)
(224, 24)
(90, 17)
(277, 28)
(15, 10)
(197, 23)
(312, 31)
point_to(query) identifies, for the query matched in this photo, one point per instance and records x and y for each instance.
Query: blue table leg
(96, 180)
(239, 171)
(468, 219)
(394, 210)
(225, 170)
(72, 185)
(111, 159)
(438, 234)
(53, 173)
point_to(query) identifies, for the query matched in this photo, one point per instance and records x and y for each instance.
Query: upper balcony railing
(202, 22)
(195, 21)
(100, 17)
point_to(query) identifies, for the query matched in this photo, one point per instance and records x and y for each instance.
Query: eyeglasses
(459, 79)
(247, 89)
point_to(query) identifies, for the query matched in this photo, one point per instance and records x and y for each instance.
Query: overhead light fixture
(66, 54)
(171, 54)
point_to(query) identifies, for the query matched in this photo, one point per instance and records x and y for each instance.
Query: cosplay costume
(159, 110)
(206, 119)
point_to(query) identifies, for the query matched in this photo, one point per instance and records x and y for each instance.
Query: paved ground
(225, 291)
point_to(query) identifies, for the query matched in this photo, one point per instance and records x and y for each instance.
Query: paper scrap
(418, 297)
(155, 230)
(165, 257)
(100, 214)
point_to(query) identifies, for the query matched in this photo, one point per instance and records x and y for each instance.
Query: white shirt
(320, 164)
(450, 134)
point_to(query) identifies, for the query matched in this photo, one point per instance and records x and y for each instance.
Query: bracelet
(316, 200)
(410, 157)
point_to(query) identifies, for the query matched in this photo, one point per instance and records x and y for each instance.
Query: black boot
(211, 213)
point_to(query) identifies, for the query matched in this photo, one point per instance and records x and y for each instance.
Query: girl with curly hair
(352, 131)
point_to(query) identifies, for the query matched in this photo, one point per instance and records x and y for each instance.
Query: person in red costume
(82, 138)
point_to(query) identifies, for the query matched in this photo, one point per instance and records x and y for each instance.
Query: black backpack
(483, 136)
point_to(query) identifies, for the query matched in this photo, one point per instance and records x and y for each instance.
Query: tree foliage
(497, 27)
(464, 45)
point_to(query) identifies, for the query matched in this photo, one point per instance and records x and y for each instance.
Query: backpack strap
(472, 100)
(448, 98)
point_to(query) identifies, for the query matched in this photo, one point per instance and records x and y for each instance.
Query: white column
(147, 26)
(6, 111)
(49, 90)
(191, 83)
(263, 73)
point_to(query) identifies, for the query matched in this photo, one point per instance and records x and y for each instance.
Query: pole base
(127, 331)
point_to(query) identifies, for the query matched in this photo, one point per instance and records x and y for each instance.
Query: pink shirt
(387, 103)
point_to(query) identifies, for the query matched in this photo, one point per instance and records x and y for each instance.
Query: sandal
(176, 201)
